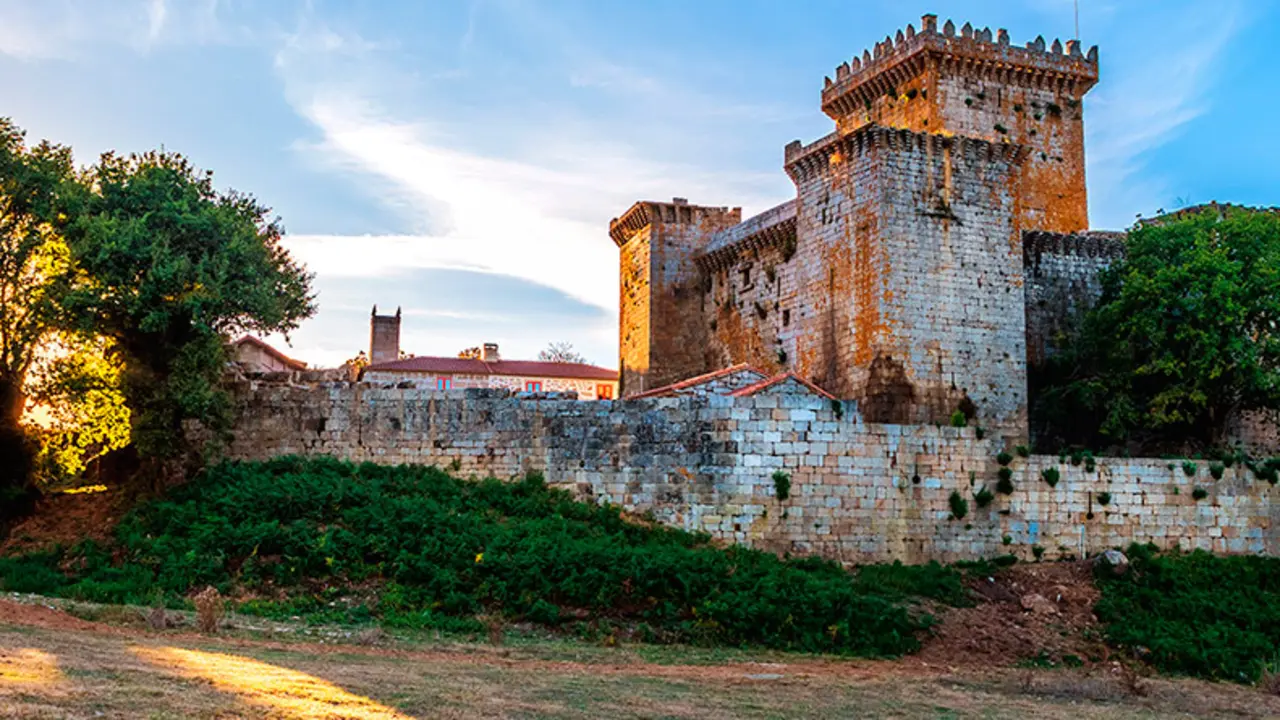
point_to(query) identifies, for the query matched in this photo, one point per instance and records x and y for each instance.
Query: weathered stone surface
(860, 491)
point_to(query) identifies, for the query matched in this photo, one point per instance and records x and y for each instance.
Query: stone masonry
(860, 491)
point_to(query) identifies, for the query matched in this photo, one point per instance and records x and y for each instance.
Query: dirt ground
(54, 665)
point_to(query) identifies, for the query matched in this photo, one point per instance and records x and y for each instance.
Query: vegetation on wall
(307, 536)
(1186, 334)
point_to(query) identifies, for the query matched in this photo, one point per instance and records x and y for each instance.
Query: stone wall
(1063, 282)
(860, 492)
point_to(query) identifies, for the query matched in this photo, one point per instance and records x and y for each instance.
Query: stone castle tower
(896, 276)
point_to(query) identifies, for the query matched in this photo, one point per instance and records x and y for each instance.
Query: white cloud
(66, 29)
(1146, 94)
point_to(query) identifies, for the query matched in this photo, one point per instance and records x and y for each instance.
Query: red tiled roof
(698, 380)
(251, 340)
(518, 368)
(766, 384)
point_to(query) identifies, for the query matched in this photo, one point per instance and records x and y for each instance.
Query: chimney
(384, 337)
(490, 353)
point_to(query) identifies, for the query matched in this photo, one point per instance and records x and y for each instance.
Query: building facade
(897, 276)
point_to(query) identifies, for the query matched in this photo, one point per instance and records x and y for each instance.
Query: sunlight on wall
(286, 692)
(28, 669)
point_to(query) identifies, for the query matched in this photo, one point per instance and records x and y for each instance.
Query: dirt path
(55, 665)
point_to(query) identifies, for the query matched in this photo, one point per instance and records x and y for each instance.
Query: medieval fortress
(937, 241)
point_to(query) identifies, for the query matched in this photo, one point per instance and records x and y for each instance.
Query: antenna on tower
(1077, 19)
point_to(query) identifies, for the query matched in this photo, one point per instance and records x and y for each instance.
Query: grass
(414, 547)
(57, 672)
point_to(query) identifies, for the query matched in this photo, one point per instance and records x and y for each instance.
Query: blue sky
(463, 159)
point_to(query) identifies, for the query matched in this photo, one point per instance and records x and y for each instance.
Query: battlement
(773, 227)
(676, 212)
(1101, 244)
(970, 52)
(805, 161)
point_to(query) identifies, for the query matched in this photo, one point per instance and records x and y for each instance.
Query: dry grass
(52, 665)
(210, 609)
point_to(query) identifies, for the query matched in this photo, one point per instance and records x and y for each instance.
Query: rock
(1039, 604)
(1115, 560)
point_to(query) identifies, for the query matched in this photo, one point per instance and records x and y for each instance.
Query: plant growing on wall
(1004, 458)
(1050, 476)
(1217, 470)
(958, 420)
(1104, 498)
(1005, 484)
(1199, 493)
(781, 484)
(959, 506)
(983, 497)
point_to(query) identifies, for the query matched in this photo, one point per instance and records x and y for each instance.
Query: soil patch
(64, 519)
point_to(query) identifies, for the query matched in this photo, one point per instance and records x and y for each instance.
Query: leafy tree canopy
(34, 262)
(168, 267)
(1185, 335)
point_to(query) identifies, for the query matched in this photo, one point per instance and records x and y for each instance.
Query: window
(746, 277)
(533, 386)
(604, 392)
(444, 383)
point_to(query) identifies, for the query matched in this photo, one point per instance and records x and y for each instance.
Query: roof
(519, 368)
(268, 349)
(777, 379)
(698, 380)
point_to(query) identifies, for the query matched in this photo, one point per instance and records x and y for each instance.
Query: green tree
(168, 269)
(34, 262)
(1185, 334)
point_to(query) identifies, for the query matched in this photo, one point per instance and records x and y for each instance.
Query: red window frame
(604, 391)
(444, 383)
(533, 386)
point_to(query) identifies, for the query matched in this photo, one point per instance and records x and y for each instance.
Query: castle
(936, 242)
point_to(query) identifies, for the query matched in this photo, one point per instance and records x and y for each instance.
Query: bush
(983, 497)
(1023, 451)
(959, 506)
(1004, 458)
(958, 419)
(1189, 468)
(1199, 493)
(1214, 617)
(414, 547)
(1051, 476)
(781, 484)
(1005, 485)
(1104, 498)
(1217, 470)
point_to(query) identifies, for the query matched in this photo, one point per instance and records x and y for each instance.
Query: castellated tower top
(969, 52)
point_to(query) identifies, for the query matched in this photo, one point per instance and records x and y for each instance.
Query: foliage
(1199, 493)
(1215, 617)
(418, 547)
(170, 267)
(1004, 485)
(1004, 458)
(1217, 470)
(959, 506)
(958, 419)
(77, 386)
(983, 497)
(781, 484)
(1104, 498)
(1183, 337)
(1189, 468)
(34, 269)
(561, 352)
(1023, 451)
(473, 353)
(1051, 476)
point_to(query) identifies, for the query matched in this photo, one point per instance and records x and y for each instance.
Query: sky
(461, 159)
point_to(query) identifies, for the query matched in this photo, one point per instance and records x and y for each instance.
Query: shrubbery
(414, 546)
(1216, 617)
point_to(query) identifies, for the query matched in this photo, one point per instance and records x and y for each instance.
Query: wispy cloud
(1149, 91)
(69, 29)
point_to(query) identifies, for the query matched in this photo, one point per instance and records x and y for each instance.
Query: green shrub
(958, 419)
(781, 484)
(1037, 551)
(1004, 458)
(983, 497)
(1007, 540)
(1214, 617)
(979, 432)
(959, 506)
(1005, 484)
(1104, 498)
(1189, 468)
(1023, 451)
(414, 547)
(1199, 493)
(1051, 476)
(1217, 470)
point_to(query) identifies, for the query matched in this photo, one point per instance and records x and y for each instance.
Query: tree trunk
(16, 453)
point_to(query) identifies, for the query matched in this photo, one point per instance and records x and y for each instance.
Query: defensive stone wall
(1063, 281)
(859, 491)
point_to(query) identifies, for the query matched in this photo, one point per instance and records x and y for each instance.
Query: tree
(34, 262)
(471, 353)
(168, 269)
(561, 352)
(1185, 335)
